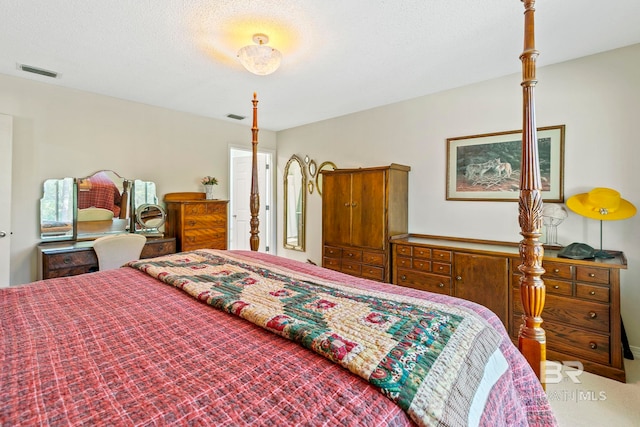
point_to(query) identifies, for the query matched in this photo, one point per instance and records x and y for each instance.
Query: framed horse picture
(487, 167)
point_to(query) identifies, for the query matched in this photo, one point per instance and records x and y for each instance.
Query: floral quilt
(427, 357)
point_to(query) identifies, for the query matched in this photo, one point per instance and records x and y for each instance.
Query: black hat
(577, 251)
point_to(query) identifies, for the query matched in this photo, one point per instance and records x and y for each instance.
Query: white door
(240, 197)
(6, 142)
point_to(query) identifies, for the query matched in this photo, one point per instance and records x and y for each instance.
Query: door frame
(266, 193)
(6, 160)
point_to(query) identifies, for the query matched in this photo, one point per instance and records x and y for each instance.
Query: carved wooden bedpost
(254, 201)
(531, 338)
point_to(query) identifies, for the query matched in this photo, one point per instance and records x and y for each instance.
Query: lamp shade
(260, 59)
(601, 203)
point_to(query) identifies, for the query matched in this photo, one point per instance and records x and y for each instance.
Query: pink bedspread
(121, 348)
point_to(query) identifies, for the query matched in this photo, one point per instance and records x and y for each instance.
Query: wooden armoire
(361, 209)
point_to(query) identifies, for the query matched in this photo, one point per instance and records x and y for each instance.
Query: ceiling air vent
(236, 117)
(36, 70)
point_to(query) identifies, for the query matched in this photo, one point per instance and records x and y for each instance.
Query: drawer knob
(421, 252)
(354, 204)
(346, 205)
(404, 277)
(349, 254)
(556, 270)
(441, 255)
(441, 285)
(593, 345)
(421, 265)
(67, 260)
(440, 268)
(192, 223)
(458, 277)
(592, 293)
(592, 275)
(556, 287)
(593, 314)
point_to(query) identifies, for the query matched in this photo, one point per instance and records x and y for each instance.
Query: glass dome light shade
(260, 59)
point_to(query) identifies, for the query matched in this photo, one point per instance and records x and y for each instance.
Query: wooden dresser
(62, 259)
(196, 223)
(361, 209)
(582, 309)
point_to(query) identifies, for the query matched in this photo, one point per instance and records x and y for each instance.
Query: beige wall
(596, 98)
(60, 132)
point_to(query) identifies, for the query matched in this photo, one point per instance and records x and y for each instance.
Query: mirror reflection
(103, 205)
(149, 218)
(295, 190)
(57, 209)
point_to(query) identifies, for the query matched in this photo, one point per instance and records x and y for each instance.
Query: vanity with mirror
(76, 211)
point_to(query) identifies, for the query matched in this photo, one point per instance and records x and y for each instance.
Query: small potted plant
(209, 182)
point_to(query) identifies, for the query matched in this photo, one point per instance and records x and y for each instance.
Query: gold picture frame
(487, 167)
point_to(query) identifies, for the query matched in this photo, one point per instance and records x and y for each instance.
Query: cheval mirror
(295, 196)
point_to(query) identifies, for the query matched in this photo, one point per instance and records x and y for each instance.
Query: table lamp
(603, 204)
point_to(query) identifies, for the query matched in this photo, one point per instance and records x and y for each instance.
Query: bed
(245, 338)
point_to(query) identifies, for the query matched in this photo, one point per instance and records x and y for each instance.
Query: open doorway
(240, 191)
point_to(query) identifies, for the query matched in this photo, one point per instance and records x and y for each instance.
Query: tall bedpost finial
(254, 201)
(531, 338)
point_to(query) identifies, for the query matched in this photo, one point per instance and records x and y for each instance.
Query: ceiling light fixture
(260, 59)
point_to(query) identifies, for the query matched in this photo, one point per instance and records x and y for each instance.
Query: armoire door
(368, 212)
(336, 219)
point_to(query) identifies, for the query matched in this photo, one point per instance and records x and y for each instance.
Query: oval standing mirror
(295, 191)
(323, 166)
(150, 218)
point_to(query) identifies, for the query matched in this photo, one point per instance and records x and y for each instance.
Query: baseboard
(636, 351)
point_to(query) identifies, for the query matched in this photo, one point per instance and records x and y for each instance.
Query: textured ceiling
(339, 56)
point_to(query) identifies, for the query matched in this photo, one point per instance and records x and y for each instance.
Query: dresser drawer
(558, 287)
(557, 270)
(402, 262)
(442, 256)
(424, 281)
(332, 252)
(71, 271)
(199, 239)
(421, 264)
(592, 274)
(572, 341)
(592, 292)
(582, 314)
(441, 268)
(373, 258)
(195, 209)
(154, 249)
(374, 273)
(205, 221)
(403, 250)
(424, 253)
(589, 345)
(72, 259)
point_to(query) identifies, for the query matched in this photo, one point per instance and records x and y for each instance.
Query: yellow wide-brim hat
(601, 203)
